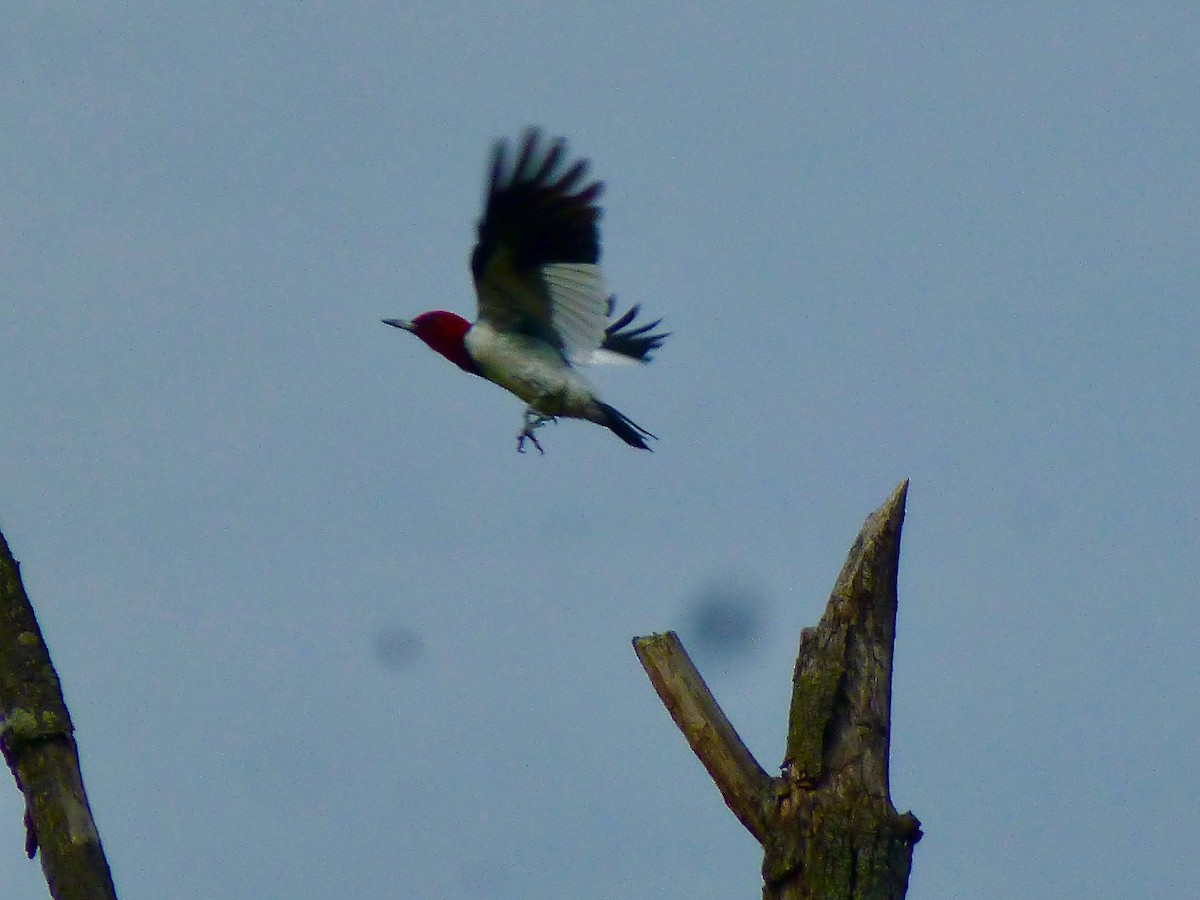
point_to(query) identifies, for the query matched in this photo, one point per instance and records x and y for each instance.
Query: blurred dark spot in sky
(725, 619)
(398, 647)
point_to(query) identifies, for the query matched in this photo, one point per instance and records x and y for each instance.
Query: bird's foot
(528, 435)
(533, 421)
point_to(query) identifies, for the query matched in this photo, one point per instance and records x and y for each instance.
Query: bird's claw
(533, 420)
(528, 435)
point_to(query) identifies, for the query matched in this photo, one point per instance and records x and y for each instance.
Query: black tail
(625, 428)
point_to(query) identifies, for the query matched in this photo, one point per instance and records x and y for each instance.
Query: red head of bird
(444, 332)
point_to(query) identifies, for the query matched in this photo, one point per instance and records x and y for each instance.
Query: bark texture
(826, 823)
(37, 741)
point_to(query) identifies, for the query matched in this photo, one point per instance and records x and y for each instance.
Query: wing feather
(535, 264)
(579, 300)
(625, 341)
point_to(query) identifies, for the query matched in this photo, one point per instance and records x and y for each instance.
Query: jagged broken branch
(826, 823)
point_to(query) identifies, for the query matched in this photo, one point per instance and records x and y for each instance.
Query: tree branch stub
(739, 777)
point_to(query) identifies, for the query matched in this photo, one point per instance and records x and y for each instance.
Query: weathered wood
(827, 824)
(741, 780)
(36, 738)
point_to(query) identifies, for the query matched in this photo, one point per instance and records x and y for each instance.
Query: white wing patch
(578, 305)
(600, 357)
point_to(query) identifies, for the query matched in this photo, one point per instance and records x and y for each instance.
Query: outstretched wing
(536, 261)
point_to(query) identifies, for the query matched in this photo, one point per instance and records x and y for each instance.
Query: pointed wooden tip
(874, 556)
(890, 516)
(843, 673)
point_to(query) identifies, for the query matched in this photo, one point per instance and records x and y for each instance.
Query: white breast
(530, 368)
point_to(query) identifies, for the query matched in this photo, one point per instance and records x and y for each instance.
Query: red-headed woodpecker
(542, 303)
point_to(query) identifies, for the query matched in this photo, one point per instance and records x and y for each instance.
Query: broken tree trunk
(826, 823)
(36, 739)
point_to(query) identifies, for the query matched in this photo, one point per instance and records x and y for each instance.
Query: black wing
(535, 264)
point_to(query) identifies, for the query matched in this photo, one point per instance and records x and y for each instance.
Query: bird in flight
(543, 307)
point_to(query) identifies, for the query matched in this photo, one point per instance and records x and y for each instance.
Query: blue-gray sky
(325, 634)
